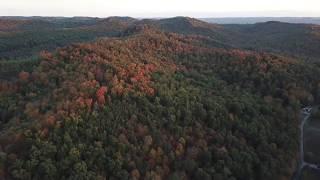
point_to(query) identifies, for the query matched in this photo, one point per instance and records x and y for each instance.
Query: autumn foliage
(100, 95)
(24, 76)
(154, 105)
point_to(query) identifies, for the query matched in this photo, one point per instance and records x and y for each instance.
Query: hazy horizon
(159, 17)
(165, 8)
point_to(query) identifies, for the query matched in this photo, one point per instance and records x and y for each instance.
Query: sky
(162, 8)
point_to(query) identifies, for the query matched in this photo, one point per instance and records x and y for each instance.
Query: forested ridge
(148, 103)
(20, 39)
(24, 37)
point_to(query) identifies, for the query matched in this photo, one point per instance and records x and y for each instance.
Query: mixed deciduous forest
(179, 98)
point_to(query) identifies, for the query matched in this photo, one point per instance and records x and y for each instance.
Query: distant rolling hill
(253, 20)
(296, 40)
(24, 37)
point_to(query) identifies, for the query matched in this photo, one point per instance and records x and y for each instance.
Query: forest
(179, 98)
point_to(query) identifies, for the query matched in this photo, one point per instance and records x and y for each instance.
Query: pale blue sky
(160, 8)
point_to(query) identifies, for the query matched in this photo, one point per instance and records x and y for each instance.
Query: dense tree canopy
(154, 105)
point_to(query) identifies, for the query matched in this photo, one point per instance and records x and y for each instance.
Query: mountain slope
(296, 40)
(154, 105)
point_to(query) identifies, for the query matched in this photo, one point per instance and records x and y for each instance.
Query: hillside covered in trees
(22, 37)
(154, 99)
